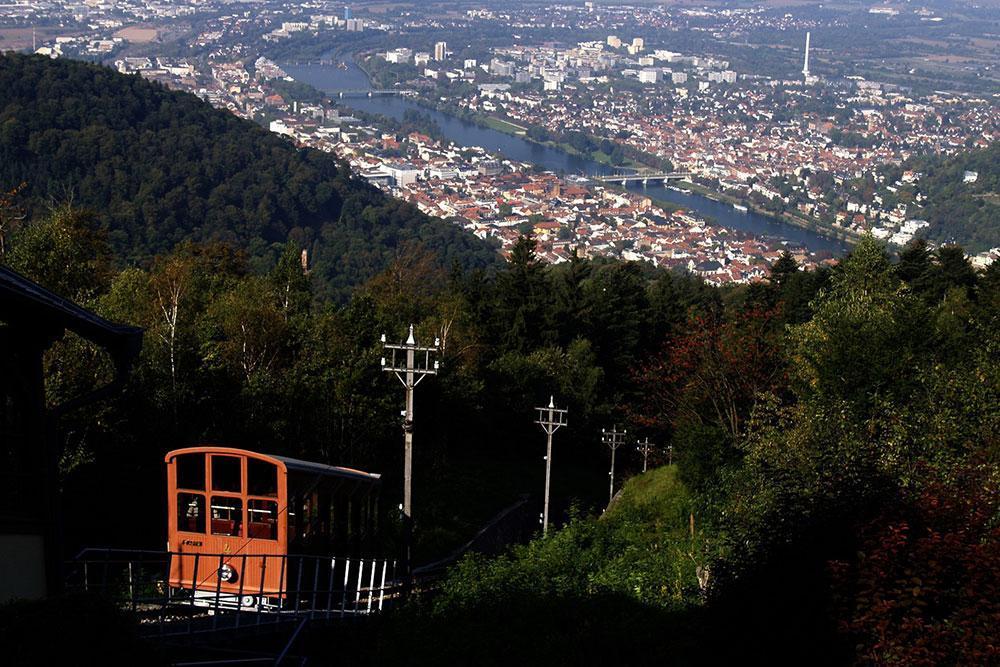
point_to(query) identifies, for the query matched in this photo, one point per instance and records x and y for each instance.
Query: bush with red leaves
(925, 587)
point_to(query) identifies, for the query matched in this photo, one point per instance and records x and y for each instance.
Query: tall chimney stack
(805, 66)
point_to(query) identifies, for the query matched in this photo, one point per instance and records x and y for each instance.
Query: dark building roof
(27, 305)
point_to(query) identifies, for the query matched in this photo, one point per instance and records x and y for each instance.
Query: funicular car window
(191, 471)
(262, 478)
(262, 519)
(191, 512)
(227, 516)
(226, 474)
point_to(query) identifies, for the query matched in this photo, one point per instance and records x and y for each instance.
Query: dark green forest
(163, 167)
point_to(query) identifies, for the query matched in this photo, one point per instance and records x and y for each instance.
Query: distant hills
(160, 167)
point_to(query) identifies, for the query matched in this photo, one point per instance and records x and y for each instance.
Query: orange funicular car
(243, 525)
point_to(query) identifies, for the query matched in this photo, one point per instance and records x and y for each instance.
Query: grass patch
(503, 126)
(604, 158)
(658, 492)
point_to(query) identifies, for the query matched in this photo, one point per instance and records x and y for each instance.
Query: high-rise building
(347, 13)
(440, 51)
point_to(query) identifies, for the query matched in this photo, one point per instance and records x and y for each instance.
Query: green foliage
(66, 251)
(640, 549)
(864, 340)
(956, 210)
(886, 405)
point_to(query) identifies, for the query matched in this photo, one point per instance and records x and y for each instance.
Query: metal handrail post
(329, 592)
(239, 595)
(315, 590)
(347, 575)
(381, 594)
(194, 589)
(218, 593)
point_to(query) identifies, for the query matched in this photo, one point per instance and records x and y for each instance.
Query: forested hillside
(161, 167)
(958, 209)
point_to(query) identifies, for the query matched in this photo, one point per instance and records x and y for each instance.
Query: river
(331, 79)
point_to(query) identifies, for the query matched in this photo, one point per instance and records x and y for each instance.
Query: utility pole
(411, 363)
(644, 446)
(551, 420)
(613, 439)
(670, 455)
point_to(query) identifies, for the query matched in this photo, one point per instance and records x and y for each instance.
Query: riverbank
(838, 233)
(513, 129)
(501, 125)
(507, 141)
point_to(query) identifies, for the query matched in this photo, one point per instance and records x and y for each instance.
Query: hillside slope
(161, 167)
(963, 194)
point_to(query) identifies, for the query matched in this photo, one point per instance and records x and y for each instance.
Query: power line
(613, 439)
(551, 420)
